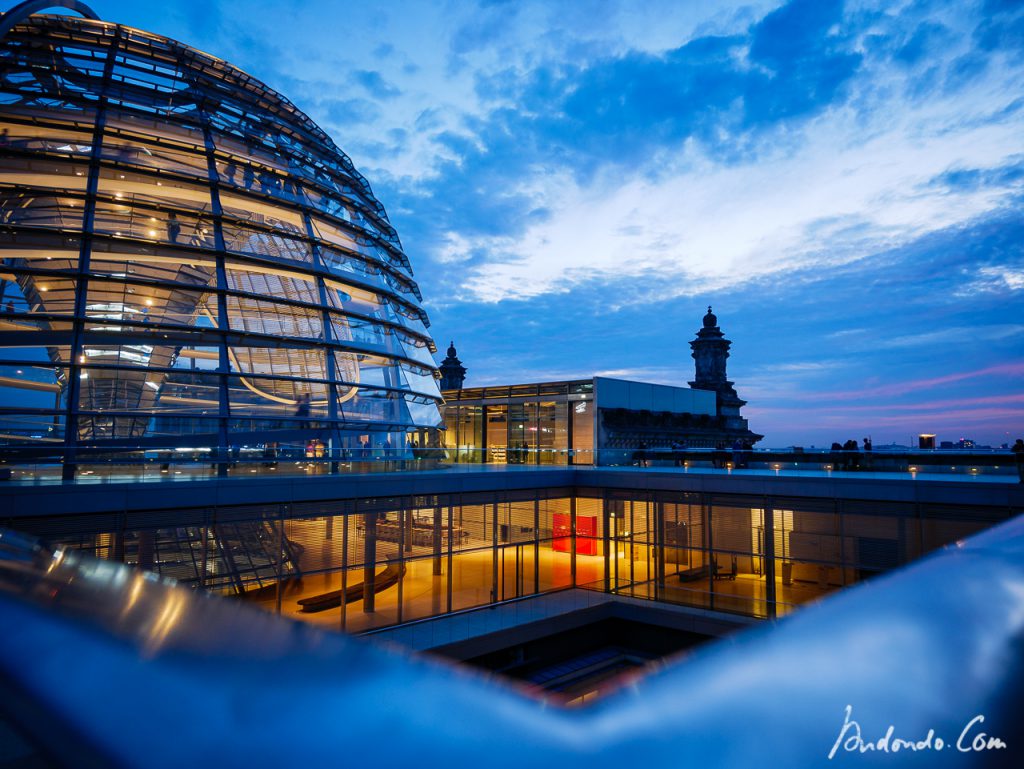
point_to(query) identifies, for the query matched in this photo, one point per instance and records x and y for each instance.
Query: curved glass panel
(187, 257)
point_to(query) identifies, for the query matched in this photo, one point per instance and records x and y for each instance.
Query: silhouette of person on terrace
(173, 227)
(852, 459)
(302, 407)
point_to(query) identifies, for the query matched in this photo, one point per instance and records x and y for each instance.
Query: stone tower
(453, 373)
(710, 350)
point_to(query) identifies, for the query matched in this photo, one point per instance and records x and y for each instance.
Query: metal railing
(924, 662)
(151, 463)
(186, 463)
(969, 462)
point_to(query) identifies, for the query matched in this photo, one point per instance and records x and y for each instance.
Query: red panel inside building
(586, 533)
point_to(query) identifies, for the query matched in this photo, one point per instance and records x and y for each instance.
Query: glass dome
(189, 260)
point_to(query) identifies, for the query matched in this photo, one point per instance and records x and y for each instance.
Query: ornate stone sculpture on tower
(453, 373)
(710, 350)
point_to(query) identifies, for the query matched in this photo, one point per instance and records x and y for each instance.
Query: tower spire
(453, 373)
(710, 352)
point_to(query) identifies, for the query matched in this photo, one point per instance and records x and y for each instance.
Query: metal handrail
(927, 656)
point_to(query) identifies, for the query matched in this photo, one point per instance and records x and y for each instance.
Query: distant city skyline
(575, 182)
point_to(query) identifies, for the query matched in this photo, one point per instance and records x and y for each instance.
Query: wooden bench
(381, 581)
(701, 572)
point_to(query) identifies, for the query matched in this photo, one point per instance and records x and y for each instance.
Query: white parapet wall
(638, 396)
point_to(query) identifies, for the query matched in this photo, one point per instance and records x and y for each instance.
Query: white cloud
(854, 186)
(657, 374)
(799, 367)
(454, 249)
(994, 279)
(844, 186)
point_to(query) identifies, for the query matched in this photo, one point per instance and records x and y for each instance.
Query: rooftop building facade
(363, 552)
(599, 420)
(188, 260)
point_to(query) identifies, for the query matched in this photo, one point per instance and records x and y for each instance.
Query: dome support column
(330, 365)
(73, 390)
(223, 324)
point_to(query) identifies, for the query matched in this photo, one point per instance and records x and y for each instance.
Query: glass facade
(535, 424)
(189, 261)
(366, 563)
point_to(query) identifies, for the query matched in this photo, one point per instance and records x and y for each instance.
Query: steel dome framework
(187, 258)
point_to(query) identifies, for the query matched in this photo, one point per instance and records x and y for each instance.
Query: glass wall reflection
(360, 564)
(542, 424)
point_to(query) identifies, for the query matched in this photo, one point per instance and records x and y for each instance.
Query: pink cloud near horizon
(1006, 370)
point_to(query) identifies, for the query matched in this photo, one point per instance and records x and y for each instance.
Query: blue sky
(576, 181)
